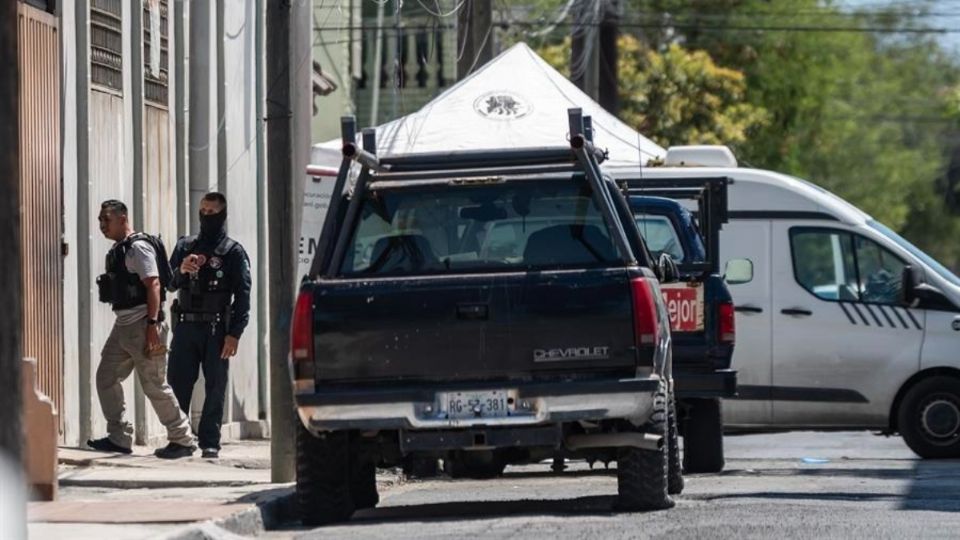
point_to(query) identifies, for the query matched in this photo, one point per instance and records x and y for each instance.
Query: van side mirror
(667, 268)
(908, 286)
(738, 271)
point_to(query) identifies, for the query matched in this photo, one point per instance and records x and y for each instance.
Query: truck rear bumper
(371, 408)
(721, 383)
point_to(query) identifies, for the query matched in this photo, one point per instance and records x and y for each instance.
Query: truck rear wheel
(323, 477)
(420, 467)
(642, 475)
(675, 486)
(929, 418)
(703, 437)
(363, 483)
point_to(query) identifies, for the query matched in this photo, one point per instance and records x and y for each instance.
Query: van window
(823, 263)
(837, 265)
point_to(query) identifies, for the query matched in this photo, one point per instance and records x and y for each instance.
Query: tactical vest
(208, 291)
(120, 287)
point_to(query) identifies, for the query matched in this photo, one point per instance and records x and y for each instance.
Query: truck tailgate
(475, 326)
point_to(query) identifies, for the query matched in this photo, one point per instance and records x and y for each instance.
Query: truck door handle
(748, 309)
(472, 312)
(797, 312)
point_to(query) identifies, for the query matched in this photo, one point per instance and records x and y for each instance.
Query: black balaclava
(211, 225)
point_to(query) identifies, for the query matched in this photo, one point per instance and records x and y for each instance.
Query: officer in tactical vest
(212, 278)
(132, 285)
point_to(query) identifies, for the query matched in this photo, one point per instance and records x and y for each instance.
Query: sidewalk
(139, 496)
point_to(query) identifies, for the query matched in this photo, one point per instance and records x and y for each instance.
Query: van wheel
(703, 437)
(363, 484)
(323, 477)
(929, 418)
(675, 479)
(642, 482)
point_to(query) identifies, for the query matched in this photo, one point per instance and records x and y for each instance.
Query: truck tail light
(726, 323)
(645, 324)
(301, 337)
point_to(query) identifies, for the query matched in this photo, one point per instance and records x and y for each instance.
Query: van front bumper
(335, 408)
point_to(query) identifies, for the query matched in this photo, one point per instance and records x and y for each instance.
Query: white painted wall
(241, 187)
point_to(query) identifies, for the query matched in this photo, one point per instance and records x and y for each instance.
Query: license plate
(685, 306)
(479, 404)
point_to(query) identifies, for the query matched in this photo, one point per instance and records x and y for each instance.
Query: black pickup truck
(487, 309)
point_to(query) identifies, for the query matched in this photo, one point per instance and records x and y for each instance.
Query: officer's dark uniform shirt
(223, 272)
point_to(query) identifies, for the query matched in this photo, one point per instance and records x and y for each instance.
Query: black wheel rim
(940, 419)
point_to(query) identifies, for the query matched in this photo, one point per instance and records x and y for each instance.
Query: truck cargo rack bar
(580, 156)
(710, 194)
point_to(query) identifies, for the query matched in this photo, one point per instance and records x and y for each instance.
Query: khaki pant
(124, 351)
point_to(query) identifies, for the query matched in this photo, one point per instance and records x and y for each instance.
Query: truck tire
(323, 477)
(929, 418)
(420, 467)
(477, 465)
(363, 484)
(703, 437)
(675, 480)
(642, 475)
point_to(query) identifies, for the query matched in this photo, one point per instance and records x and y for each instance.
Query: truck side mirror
(667, 268)
(738, 271)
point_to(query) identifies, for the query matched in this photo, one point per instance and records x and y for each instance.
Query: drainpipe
(263, 300)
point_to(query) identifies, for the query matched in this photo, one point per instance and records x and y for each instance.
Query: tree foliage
(676, 96)
(813, 91)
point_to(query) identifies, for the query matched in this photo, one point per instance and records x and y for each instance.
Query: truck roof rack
(580, 156)
(710, 194)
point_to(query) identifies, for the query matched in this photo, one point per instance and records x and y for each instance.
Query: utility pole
(11, 331)
(608, 92)
(474, 36)
(584, 50)
(281, 252)
(593, 51)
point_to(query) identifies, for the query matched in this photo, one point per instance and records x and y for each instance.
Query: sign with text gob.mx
(685, 305)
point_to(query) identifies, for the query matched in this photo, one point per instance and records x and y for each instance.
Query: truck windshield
(442, 228)
(940, 269)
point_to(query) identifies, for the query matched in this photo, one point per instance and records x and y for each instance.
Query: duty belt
(200, 317)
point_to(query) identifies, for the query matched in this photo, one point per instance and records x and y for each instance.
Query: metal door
(41, 199)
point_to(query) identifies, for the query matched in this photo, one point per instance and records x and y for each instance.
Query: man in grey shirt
(138, 339)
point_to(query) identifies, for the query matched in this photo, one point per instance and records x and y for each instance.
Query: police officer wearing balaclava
(211, 274)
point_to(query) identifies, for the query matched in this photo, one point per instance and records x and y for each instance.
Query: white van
(843, 324)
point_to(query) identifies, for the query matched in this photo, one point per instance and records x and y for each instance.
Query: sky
(943, 14)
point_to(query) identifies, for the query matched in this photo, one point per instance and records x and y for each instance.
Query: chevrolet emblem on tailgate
(571, 353)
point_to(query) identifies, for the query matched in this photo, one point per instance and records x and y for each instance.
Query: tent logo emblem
(502, 105)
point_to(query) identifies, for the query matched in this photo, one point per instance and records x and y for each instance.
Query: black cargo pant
(196, 346)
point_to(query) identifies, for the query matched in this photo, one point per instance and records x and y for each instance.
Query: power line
(694, 26)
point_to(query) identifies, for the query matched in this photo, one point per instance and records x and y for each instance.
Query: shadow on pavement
(465, 510)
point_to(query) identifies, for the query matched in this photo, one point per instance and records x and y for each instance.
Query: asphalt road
(790, 485)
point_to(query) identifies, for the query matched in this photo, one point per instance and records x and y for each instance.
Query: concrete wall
(115, 147)
(70, 411)
(239, 54)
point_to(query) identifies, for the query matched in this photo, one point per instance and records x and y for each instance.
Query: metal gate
(41, 198)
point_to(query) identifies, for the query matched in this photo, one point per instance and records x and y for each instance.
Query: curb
(268, 513)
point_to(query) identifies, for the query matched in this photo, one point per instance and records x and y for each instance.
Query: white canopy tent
(517, 100)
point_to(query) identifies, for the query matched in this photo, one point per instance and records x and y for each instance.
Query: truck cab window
(660, 235)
